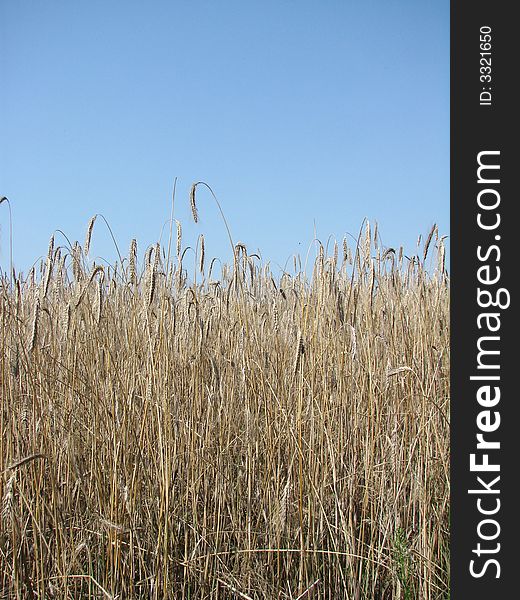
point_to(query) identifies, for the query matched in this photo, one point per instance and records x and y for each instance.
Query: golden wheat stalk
(24, 461)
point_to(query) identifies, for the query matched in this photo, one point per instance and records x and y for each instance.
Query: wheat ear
(193, 203)
(88, 237)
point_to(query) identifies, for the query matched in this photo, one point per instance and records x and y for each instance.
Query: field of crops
(226, 431)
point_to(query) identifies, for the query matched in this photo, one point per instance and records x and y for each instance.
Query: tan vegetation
(226, 435)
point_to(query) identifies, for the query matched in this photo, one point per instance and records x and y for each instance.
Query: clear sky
(301, 115)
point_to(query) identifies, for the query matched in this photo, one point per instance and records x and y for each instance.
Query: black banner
(484, 401)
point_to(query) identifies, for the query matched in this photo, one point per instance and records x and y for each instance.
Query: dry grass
(251, 437)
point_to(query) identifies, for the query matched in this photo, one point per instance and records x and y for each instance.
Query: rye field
(173, 427)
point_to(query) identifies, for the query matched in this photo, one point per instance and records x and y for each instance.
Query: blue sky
(301, 116)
